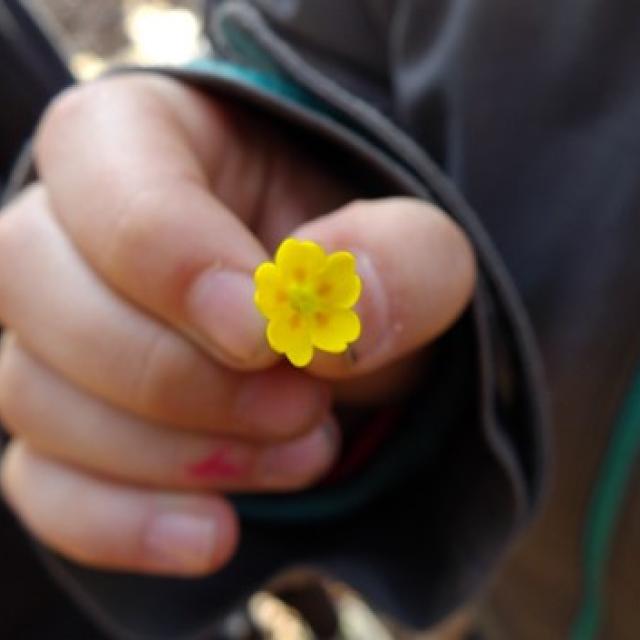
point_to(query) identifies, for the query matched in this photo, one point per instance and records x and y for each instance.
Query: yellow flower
(307, 295)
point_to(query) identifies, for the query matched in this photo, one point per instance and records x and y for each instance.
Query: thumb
(418, 273)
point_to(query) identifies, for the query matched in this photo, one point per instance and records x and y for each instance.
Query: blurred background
(94, 34)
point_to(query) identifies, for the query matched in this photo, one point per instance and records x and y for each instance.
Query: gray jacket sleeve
(419, 531)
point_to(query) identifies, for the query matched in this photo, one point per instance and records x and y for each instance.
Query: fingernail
(373, 309)
(305, 457)
(221, 308)
(181, 543)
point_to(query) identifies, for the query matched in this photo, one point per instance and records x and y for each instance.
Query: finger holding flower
(127, 289)
(376, 280)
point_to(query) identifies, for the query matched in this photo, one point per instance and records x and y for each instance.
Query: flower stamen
(302, 299)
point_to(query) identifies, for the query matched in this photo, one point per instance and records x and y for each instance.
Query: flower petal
(289, 334)
(338, 284)
(300, 355)
(300, 260)
(334, 330)
(270, 295)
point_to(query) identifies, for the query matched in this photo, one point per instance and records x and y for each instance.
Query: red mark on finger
(220, 464)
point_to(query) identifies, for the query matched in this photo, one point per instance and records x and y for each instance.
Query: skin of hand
(135, 378)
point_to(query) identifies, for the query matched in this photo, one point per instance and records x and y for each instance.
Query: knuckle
(11, 385)
(357, 207)
(16, 223)
(20, 391)
(24, 495)
(76, 104)
(9, 242)
(64, 109)
(9, 388)
(19, 225)
(134, 229)
(144, 218)
(145, 225)
(161, 378)
(11, 473)
(48, 511)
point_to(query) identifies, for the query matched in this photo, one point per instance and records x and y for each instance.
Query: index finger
(128, 164)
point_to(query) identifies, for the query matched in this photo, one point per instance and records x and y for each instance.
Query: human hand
(134, 374)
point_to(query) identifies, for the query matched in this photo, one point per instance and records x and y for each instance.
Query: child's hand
(134, 373)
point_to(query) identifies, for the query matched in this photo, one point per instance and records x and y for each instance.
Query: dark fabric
(316, 607)
(31, 72)
(32, 606)
(533, 110)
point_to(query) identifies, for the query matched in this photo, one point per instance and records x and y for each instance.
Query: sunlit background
(94, 34)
